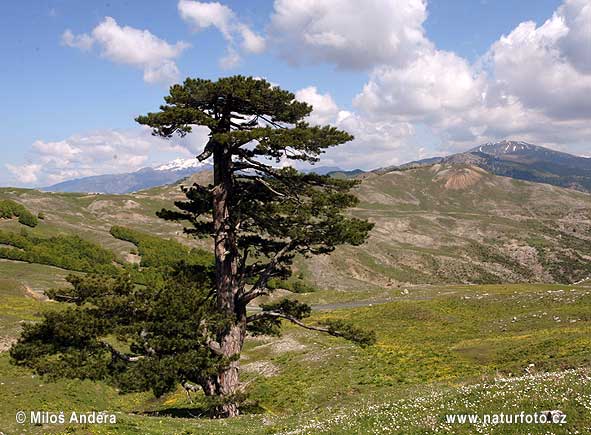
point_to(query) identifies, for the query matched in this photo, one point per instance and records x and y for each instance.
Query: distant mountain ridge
(520, 160)
(506, 147)
(129, 182)
(166, 173)
(414, 164)
(514, 159)
(182, 164)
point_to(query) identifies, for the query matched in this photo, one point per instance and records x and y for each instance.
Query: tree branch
(267, 170)
(271, 122)
(207, 151)
(260, 287)
(274, 314)
(63, 298)
(121, 355)
(268, 186)
(215, 347)
(257, 166)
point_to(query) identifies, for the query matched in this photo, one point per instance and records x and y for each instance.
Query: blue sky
(68, 106)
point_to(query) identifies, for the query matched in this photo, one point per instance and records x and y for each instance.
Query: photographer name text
(73, 417)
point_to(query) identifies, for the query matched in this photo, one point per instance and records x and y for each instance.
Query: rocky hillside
(519, 160)
(459, 223)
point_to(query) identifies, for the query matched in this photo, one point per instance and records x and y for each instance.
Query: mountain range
(166, 173)
(514, 159)
(132, 181)
(448, 222)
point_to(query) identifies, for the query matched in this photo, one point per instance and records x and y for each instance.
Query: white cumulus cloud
(576, 44)
(131, 46)
(531, 64)
(532, 84)
(349, 33)
(325, 110)
(27, 174)
(377, 143)
(101, 152)
(84, 42)
(434, 83)
(201, 15)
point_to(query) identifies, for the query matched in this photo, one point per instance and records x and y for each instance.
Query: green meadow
(452, 350)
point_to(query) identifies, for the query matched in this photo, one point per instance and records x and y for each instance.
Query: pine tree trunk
(226, 384)
(226, 254)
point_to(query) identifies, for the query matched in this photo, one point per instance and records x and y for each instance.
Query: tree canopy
(273, 213)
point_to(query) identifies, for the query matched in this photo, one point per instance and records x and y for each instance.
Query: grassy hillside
(470, 349)
(92, 216)
(434, 225)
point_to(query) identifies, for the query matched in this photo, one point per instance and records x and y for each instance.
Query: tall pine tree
(259, 216)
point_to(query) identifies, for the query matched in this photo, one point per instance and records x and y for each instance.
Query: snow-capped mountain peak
(505, 147)
(180, 164)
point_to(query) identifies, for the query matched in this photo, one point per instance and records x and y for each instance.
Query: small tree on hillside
(259, 217)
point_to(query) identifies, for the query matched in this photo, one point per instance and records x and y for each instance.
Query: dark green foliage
(67, 252)
(157, 252)
(10, 209)
(259, 216)
(268, 322)
(271, 325)
(294, 309)
(28, 219)
(41, 215)
(201, 102)
(165, 328)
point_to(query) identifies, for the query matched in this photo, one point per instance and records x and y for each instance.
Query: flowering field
(479, 350)
(568, 392)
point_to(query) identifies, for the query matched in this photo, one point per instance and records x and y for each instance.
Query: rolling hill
(460, 223)
(444, 223)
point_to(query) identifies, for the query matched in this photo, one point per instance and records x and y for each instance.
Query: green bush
(301, 287)
(297, 285)
(67, 252)
(28, 219)
(158, 252)
(10, 209)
